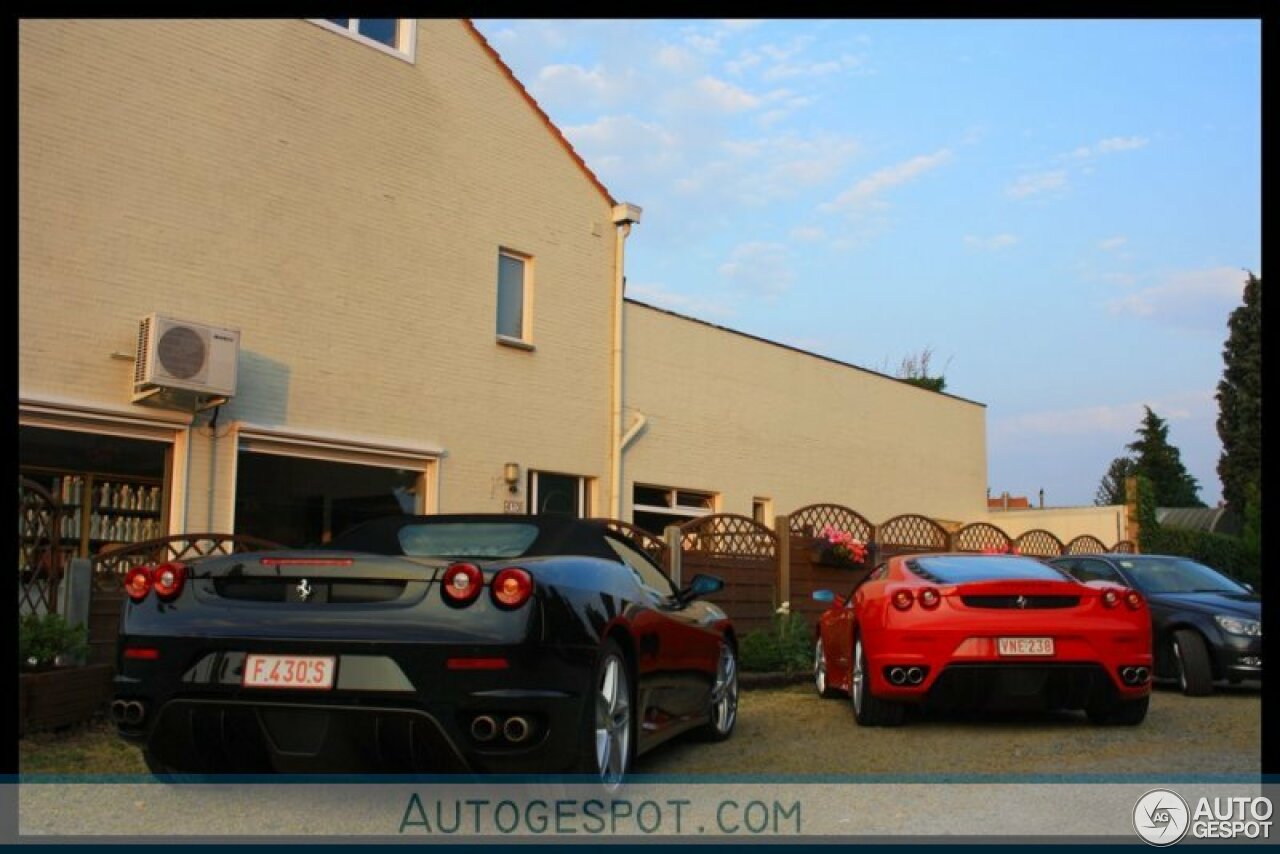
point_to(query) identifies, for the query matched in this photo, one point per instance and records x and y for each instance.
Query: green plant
(786, 647)
(45, 640)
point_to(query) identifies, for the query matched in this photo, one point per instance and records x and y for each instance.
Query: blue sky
(1061, 211)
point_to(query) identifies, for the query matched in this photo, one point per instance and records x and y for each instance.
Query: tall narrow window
(513, 296)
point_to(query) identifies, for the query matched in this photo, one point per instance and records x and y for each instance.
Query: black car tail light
(511, 587)
(137, 583)
(1133, 599)
(167, 579)
(902, 600)
(1110, 598)
(461, 583)
(142, 653)
(929, 598)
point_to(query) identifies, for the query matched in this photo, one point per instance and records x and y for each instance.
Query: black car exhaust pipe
(516, 729)
(117, 711)
(131, 712)
(915, 675)
(484, 728)
(897, 676)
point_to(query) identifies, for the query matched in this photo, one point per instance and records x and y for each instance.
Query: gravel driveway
(792, 731)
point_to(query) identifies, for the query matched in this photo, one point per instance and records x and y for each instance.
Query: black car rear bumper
(402, 712)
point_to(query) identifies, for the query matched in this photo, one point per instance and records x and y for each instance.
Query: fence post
(675, 552)
(79, 583)
(782, 527)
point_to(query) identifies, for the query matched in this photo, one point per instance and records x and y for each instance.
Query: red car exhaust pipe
(1140, 674)
(1126, 673)
(897, 675)
(915, 676)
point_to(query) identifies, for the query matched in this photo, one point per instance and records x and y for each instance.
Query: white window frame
(674, 509)
(316, 446)
(406, 36)
(584, 491)
(525, 340)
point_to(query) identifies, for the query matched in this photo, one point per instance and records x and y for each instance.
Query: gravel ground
(792, 731)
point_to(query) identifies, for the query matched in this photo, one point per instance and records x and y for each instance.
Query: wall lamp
(511, 474)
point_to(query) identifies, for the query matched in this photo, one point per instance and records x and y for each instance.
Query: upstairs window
(655, 507)
(514, 285)
(395, 36)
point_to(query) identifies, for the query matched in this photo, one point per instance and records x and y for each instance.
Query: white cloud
(866, 190)
(573, 84)
(758, 268)
(1036, 183)
(1107, 146)
(808, 234)
(1104, 419)
(676, 60)
(990, 244)
(724, 96)
(1111, 244)
(1193, 299)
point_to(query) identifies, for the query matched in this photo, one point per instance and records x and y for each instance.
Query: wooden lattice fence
(745, 555)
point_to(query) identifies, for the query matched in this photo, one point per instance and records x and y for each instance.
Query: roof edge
(551, 126)
(798, 350)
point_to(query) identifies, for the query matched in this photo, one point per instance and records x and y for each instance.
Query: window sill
(515, 343)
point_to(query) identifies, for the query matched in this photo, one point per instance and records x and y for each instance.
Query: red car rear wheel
(869, 710)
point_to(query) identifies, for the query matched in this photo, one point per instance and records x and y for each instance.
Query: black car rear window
(958, 569)
(468, 539)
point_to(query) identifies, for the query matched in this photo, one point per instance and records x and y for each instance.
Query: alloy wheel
(819, 668)
(858, 680)
(724, 693)
(613, 723)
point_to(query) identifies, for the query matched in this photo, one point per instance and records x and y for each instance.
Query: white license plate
(1025, 646)
(299, 672)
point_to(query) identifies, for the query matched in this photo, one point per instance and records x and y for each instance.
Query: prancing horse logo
(304, 589)
(1021, 601)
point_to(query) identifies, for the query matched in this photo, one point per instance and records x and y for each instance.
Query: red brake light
(512, 587)
(142, 653)
(1133, 599)
(902, 600)
(1110, 598)
(929, 598)
(461, 583)
(167, 578)
(137, 583)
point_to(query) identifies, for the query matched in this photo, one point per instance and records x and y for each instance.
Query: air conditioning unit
(183, 363)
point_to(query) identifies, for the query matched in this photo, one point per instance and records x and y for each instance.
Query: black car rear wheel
(820, 682)
(1191, 659)
(608, 744)
(869, 710)
(723, 711)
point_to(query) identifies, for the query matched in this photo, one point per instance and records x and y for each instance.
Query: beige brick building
(426, 282)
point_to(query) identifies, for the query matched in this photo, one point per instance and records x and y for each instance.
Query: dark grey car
(1206, 627)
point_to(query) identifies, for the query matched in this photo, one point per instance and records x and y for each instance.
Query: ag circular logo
(1161, 817)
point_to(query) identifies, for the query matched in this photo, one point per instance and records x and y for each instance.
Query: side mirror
(824, 596)
(701, 585)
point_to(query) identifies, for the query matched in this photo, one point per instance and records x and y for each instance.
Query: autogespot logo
(1161, 817)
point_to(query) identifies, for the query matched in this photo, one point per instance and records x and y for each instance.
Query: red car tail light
(461, 583)
(929, 598)
(511, 587)
(1133, 599)
(167, 579)
(137, 583)
(1110, 598)
(902, 600)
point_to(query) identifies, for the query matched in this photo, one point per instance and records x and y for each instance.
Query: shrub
(787, 647)
(1231, 556)
(45, 640)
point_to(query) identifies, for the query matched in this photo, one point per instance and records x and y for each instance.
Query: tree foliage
(1161, 463)
(1240, 399)
(1111, 489)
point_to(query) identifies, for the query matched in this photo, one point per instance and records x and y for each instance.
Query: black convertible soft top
(557, 535)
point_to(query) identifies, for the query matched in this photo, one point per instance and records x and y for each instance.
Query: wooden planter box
(61, 697)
